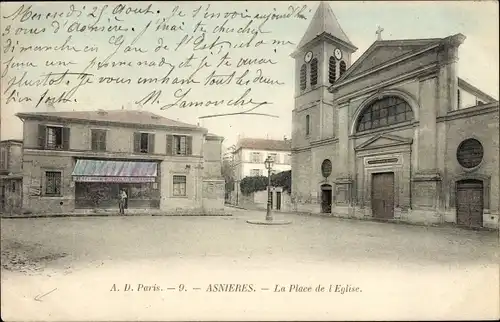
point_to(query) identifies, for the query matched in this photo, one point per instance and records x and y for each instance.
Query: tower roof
(324, 21)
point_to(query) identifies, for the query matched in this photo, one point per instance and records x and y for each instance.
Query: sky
(478, 64)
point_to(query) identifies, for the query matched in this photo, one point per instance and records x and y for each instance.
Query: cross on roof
(379, 33)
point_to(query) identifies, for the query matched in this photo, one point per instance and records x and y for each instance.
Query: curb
(443, 225)
(112, 215)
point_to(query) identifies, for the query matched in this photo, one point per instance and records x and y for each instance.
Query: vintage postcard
(249, 160)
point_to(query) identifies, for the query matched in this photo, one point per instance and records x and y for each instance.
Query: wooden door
(326, 199)
(470, 203)
(383, 195)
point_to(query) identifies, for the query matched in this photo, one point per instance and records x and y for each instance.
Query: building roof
(133, 117)
(264, 144)
(475, 91)
(324, 21)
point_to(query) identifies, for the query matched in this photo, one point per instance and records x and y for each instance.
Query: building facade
(78, 161)
(11, 176)
(249, 156)
(396, 135)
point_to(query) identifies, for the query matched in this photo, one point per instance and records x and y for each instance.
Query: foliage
(252, 184)
(228, 174)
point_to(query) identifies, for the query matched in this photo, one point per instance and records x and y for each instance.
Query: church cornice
(344, 80)
(427, 70)
(470, 112)
(451, 42)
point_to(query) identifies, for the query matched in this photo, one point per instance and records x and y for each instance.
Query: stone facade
(249, 156)
(418, 152)
(11, 158)
(200, 167)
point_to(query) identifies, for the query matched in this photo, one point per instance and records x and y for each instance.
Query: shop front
(99, 182)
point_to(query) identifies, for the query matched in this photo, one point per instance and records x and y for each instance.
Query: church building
(396, 135)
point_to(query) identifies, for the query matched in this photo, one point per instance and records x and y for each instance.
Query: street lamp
(269, 165)
(269, 162)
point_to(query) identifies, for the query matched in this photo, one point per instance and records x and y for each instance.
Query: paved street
(94, 252)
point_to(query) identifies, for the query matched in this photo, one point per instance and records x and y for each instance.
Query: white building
(249, 156)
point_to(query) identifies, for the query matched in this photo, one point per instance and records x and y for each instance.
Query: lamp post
(269, 165)
(269, 162)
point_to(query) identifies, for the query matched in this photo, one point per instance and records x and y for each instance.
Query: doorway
(470, 203)
(383, 195)
(326, 198)
(278, 200)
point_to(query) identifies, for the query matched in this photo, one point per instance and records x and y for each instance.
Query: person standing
(122, 201)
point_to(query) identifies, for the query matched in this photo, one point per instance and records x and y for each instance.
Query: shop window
(179, 185)
(470, 153)
(53, 183)
(98, 140)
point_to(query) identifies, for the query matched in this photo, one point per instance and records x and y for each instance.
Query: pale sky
(479, 55)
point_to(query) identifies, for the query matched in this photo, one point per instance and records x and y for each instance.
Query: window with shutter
(53, 183)
(308, 124)
(98, 138)
(332, 70)
(42, 133)
(151, 143)
(314, 72)
(189, 145)
(303, 76)
(65, 138)
(54, 138)
(179, 185)
(170, 144)
(137, 142)
(182, 145)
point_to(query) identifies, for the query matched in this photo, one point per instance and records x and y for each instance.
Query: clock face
(308, 56)
(338, 54)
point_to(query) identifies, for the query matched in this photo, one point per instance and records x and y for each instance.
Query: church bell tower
(322, 56)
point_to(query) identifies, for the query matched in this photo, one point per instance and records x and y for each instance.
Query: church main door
(470, 203)
(383, 195)
(326, 198)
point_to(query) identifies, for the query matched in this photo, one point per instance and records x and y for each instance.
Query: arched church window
(332, 70)
(314, 71)
(342, 68)
(303, 75)
(385, 111)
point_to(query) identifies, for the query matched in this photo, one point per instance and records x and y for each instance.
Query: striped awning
(114, 171)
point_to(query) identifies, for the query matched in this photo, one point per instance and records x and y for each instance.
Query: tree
(259, 183)
(227, 169)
